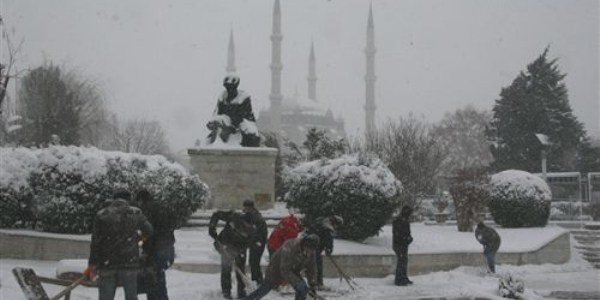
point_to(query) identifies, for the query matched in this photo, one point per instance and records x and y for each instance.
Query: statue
(233, 115)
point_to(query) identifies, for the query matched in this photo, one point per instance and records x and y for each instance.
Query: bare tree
(7, 63)
(462, 134)
(412, 152)
(138, 136)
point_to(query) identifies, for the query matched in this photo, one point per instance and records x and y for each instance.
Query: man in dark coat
(160, 248)
(324, 228)
(287, 264)
(233, 114)
(258, 247)
(400, 241)
(114, 251)
(490, 240)
(232, 242)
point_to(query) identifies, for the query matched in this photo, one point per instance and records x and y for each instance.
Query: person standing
(324, 228)
(232, 243)
(400, 241)
(490, 239)
(114, 252)
(258, 247)
(160, 248)
(287, 264)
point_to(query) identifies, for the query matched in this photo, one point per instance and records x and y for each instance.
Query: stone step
(593, 260)
(585, 233)
(592, 226)
(586, 239)
(575, 295)
(589, 248)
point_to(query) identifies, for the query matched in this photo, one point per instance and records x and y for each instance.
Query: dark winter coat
(323, 228)
(237, 109)
(488, 237)
(164, 236)
(401, 233)
(261, 227)
(236, 236)
(115, 236)
(287, 263)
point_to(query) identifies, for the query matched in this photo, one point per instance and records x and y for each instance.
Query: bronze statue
(232, 115)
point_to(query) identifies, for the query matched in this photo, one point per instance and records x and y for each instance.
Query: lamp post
(543, 139)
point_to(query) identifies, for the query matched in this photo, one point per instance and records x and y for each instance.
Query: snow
(18, 163)
(540, 280)
(521, 184)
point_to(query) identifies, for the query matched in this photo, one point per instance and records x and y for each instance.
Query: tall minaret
(370, 75)
(231, 55)
(312, 75)
(276, 67)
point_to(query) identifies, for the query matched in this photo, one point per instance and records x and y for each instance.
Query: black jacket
(115, 236)
(488, 237)
(401, 233)
(261, 228)
(324, 229)
(236, 236)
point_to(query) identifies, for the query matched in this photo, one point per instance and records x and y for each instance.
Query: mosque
(292, 116)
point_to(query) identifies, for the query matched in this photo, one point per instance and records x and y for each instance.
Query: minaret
(370, 75)
(312, 75)
(276, 67)
(231, 55)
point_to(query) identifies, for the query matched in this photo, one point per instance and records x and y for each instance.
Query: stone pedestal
(235, 174)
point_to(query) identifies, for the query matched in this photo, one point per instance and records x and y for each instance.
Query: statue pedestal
(236, 174)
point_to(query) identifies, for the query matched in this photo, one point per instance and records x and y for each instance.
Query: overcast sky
(165, 60)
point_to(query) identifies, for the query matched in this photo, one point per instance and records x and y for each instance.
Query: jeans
(491, 261)
(301, 290)
(261, 291)
(319, 259)
(163, 259)
(226, 268)
(401, 264)
(107, 283)
(256, 253)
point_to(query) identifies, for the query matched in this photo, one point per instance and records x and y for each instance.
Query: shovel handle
(68, 289)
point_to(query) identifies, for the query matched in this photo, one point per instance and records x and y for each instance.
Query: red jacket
(288, 228)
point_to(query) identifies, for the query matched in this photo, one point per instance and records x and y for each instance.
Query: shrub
(359, 188)
(470, 193)
(594, 211)
(519, 199)
(69, 185)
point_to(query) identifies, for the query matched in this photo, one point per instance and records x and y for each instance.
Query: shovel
(32, 286)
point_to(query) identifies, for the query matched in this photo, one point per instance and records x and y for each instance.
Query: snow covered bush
(359, 188)
(62, 188)
(519, 199)
(510, 287)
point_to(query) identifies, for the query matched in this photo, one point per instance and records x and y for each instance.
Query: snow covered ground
(540, 280)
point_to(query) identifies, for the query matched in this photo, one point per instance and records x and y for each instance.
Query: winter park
(314, 149)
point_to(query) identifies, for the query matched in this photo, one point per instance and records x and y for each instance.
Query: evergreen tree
(48, 107)
(536, 102)
(319, 145)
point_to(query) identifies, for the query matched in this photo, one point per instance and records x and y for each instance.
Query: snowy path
(462, 282)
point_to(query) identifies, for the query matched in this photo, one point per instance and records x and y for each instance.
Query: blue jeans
(491, 261)
(163, 259)
(107, 283)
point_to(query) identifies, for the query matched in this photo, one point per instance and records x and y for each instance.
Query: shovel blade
(30, 284)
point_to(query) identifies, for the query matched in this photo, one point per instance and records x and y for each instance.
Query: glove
(212, 231)
(90, 272)
(328, 251)
(212, 125)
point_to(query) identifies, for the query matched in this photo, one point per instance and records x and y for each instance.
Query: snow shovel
(348, 279)
(32, 287)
